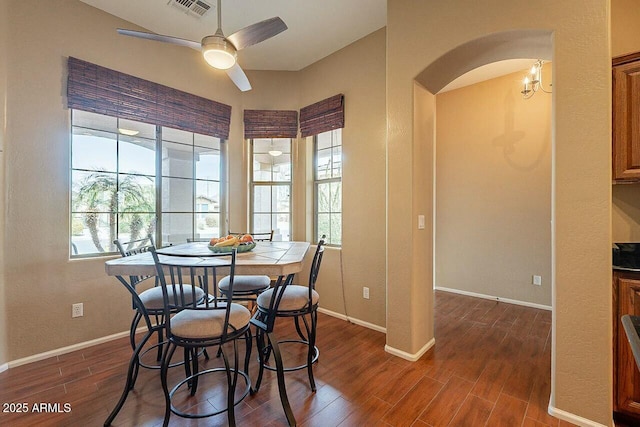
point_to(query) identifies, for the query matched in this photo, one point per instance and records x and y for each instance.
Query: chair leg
(261, 361)
(311, 351)
(136, 369)
(166, 358)
(231, 384)
(160, 321)
(132, 331)
(187, 367)
(282, 388)
(299, 331)
(248, 339)
(131, 378)
(194, 369)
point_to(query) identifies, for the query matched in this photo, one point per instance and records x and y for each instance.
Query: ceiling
(491, 71)
(316, 28)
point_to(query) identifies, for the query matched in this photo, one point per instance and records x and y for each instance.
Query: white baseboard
(408, 356)
(4, 367)
(353, 320)
(494, 298)
(68, 349)
(572, 418)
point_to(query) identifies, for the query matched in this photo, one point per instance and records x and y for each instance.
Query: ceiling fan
(219, 51)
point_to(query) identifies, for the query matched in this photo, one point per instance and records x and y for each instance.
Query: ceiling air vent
(193, 7)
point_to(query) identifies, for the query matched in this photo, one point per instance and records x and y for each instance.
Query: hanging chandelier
(533, 81)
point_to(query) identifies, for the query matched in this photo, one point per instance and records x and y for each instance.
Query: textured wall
(4, 350)
(37, 158)
(418, 33)
(493, 190)
(37, 166)
(357, 71)
(625, 38)
(625, 31)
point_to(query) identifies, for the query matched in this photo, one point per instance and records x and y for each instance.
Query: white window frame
(253, 184)
(335, 133)
(158, 190)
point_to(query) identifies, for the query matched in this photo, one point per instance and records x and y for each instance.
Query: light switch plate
(420, 222)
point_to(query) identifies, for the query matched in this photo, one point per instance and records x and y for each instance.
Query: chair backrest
(315, 264)
(266, 236)
(134, 247)
(198, 239)
(174, 272)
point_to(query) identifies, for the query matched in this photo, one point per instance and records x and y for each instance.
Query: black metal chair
(198, 239)
(148, 305)
(265, 236)
(293, 301)
(248, 287)
(212, 322)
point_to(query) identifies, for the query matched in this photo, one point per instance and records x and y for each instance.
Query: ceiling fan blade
(257, 32)
(238, 77)
(160, 38)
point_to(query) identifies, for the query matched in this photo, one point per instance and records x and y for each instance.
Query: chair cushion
(245, 283)
(200, 324)
(295, 297)
(152, 297)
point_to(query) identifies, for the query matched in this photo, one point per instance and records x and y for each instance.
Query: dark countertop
(632, 270)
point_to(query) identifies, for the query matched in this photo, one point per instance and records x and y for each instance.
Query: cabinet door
(626, 121)
(628, 375)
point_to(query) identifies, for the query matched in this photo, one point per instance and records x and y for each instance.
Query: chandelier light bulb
(533, 81)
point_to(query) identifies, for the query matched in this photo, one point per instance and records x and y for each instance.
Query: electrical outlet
(537, 280)
(365, 293)
(77, 310)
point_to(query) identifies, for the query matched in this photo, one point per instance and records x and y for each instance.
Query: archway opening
(524, 149)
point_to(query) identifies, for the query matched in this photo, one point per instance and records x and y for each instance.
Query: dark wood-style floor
(490, 366)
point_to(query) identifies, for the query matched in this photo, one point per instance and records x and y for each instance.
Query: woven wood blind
(322, 116)
(100, 90)
(270, 124)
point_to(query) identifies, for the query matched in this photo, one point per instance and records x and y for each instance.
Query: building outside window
(328, 186)
(271, 187)
(130, 179)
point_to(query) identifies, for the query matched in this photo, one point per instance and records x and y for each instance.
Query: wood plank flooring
(490, 366)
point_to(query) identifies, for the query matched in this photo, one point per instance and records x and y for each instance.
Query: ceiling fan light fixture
(275, 153)
(128, 132)
(218, 52)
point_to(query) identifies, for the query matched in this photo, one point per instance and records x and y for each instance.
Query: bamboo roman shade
(322, 116)
(270, 124)
(100, 90)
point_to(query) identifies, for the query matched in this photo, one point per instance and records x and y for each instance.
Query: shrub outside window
(130, 179)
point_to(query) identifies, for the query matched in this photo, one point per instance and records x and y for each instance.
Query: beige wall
(493, 190)
(357, 71)
(271, 90)
(43, 281)
(625, 38)
(4, 358)
(625, 31)
(418, 33)
(37, 173)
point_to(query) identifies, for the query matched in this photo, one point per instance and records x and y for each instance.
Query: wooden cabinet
(626, 376)
(626, 117)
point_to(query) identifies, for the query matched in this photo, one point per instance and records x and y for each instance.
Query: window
(190, 186)
(328, 186)
(271, 187)
(129, 179)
